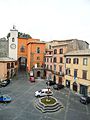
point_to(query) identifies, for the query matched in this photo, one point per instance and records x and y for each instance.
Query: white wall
(13, 52)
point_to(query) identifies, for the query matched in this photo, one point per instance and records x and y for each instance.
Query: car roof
(45, 89)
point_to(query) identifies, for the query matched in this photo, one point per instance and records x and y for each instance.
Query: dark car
(5, 82)
(50, 82)
(85, 99)
(58, 86)
(5, 98)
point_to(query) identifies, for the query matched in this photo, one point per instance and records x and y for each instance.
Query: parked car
(5, 82)
(32, 79)
(58, 86)
(43, 92)
(50, 82)
(5, 98)
(85, 99)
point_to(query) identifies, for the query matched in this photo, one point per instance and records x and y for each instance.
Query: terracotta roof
(60, 45)
(38, 42)
(78, 52)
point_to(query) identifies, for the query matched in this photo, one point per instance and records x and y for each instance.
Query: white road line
(67, 106)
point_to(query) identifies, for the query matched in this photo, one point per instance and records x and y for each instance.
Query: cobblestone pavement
(22, 106)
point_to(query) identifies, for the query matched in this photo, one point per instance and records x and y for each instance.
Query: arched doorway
(22, 63)
(38, 73)
(75, 86)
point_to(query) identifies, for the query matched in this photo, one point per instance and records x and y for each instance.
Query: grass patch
(48, 102)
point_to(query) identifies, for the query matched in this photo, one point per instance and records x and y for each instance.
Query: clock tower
(13, 42)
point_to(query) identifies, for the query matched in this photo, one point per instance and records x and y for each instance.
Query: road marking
(87, 110)
(67, 106)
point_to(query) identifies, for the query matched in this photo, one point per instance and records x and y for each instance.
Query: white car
(43, 92)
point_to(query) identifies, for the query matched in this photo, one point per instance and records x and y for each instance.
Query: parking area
(22, 106)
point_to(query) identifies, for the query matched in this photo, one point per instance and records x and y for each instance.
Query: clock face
(13, 46)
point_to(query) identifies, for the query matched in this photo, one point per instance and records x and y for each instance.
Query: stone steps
(52, 108)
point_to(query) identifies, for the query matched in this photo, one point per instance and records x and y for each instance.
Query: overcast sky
(47, 19)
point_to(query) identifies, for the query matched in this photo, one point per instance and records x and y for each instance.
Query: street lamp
(48, 87)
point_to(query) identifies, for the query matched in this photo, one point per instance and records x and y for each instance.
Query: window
(12, 65)
(55, 67)
(47, 66)
(68, 60)
(60, 68)
(54, 59)
(38, 58)
(85, 61)
(75, 73)
(16, 63)
(47, 59)
(55, 51)
(75, 61)
(8, 65)
(61, 60)
(38, 50)
(61, 51)
(13, 40)
(51, 60)
(22, 49)
(50, 67)
(68, 71)
(84, 74)
(49, 53)
(49, 46)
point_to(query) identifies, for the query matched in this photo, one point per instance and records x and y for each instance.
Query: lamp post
(48, 91)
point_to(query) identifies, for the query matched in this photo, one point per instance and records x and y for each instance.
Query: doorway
(60, 81)
(38, 73)
(75, 86)
(67, 83)
(83, 90)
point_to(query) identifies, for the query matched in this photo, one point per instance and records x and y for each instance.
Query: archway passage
(38, 73)
(75, 86)
(22, 64)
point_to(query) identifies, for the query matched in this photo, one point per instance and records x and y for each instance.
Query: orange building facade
(31, 55)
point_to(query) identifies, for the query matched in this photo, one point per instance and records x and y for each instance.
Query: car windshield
(40, 91)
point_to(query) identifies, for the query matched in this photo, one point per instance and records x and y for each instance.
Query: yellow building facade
(77, 76)
(8, 68)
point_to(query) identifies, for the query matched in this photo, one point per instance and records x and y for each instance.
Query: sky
(47, 19)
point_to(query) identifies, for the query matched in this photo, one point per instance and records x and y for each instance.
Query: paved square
(22, 106)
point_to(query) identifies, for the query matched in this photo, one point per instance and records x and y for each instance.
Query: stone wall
(3, 47)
